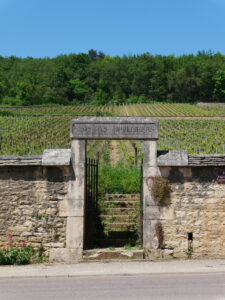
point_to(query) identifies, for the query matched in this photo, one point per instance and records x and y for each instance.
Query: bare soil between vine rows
(155, 117)
(190, 118)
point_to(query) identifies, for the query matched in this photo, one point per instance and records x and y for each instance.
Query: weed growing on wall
(159, 234)
(161, 191)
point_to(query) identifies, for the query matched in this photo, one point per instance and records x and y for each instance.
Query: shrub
(161, 191)
(12, 101)
(16, 254)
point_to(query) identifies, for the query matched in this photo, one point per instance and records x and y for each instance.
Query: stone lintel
(138, 128)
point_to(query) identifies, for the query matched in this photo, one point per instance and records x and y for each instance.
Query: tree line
(96, 78)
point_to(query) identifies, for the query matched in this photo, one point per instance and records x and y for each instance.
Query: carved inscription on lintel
(117, 131)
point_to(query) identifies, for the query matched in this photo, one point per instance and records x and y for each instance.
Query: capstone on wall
(30, 196)
(197, 208)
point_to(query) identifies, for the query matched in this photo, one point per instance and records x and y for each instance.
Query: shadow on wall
(32, 173)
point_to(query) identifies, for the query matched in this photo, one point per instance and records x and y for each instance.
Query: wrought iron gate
(91, 201)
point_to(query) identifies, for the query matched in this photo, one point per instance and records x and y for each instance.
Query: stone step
(106, 242)
(116, 234)
(116, 254)
(119, 226)
(120, 218)
(119, 210)
(122, 200)
(118, 204)
(124, 197)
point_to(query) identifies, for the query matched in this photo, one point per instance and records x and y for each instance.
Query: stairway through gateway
(115, 220)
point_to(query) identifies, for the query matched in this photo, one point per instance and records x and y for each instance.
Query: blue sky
(42, 28)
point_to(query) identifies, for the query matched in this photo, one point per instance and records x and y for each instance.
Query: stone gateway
(121, 128)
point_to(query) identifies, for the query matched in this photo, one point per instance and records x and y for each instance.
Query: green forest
(98, 79)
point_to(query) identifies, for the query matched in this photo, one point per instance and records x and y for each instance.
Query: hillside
(31, 130)
(96, 78)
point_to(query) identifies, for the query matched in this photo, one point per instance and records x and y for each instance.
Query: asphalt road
(160, 287)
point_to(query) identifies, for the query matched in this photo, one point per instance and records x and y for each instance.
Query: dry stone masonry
(194, 224)
(33, 209)
(30, 197)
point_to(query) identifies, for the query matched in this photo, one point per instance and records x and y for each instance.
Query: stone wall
(206, 160)
(38, 205)
(197, 208)
(30, 196)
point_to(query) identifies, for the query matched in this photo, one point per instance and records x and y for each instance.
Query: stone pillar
(150, 209)
(76, 199)
(72, 207)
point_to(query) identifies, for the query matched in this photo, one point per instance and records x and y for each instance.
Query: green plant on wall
(40, 216)
(159, 234)
(161, 191)
(40, 254)
(189, 253)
